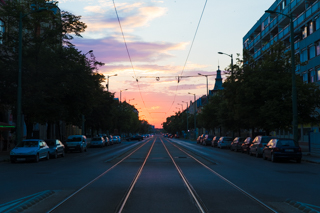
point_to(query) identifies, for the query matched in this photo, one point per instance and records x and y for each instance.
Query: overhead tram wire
(204, 7)
(115, 8)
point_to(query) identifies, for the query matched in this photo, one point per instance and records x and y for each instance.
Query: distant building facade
(271, 28)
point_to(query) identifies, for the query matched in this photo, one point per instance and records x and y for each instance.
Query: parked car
(30, 149)
(56, 147)
(237, 143)
(135, 138)
(258, 144)
(207, 140)
(245, 147)
(224, 142)
(282, 148)
(199, 139)
(107, 141)
(98, 141)
(76, 143)
(116, 139)
(214, 142)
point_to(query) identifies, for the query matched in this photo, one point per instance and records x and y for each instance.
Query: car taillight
(276, 149)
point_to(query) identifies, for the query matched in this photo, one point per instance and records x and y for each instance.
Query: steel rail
(228, 181)
(124, 201)
(188, 185)
(95, 179)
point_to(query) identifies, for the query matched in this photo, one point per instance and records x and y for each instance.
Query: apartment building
(271, 28)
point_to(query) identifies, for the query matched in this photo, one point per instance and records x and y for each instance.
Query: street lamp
(207, 85)
(231, 63)
(19, 113)
(187, 118)
(293, 76)
(121, 92)
(108, 81)
(195, 113)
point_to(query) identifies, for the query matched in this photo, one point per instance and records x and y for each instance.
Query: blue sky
(159, 35)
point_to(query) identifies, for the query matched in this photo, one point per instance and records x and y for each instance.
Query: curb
(301, 206)
(30, 202)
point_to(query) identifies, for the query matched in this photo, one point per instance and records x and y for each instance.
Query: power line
(188, 54)
(124, 40)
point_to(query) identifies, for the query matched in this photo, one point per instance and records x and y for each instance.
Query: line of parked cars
(36, 149)
(267, 147)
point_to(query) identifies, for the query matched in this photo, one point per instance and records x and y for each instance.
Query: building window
(311, 76)
(305, 77)
(318, 48)
(317, 23)
(312, 52)
(304, 55)
(310, 27)
(304, 32)
(2, 29)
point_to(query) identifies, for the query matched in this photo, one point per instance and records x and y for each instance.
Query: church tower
(218, 84)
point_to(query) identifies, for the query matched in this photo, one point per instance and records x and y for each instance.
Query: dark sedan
(56, 147)
(207, 140)
(282, 148)
(214, 141)
(236, 143)
(245, 147)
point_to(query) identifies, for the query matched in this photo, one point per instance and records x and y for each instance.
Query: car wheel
(55, 155)
(48, 156)
(81, 149)
(298, 160)
(63, 153)
(85, 149)
(37, 158)
(264, 156)
(273, 159)
(257, 154)
(250, 153)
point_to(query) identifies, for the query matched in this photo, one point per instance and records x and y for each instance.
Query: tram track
(179, 147)
(97, 178)
(183, 172)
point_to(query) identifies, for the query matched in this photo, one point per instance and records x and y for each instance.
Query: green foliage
(258, 96)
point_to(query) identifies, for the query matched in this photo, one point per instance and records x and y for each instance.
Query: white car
(31, 149)
(76, 143)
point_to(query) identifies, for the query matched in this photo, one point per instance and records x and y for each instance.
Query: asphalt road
(158, 175)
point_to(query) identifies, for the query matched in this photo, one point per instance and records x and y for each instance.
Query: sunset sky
(159, 35)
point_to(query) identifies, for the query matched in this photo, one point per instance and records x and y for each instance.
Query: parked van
(76, 143)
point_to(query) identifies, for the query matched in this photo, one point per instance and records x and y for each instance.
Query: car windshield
(28, 144)
(74, 139)
(286, 143)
